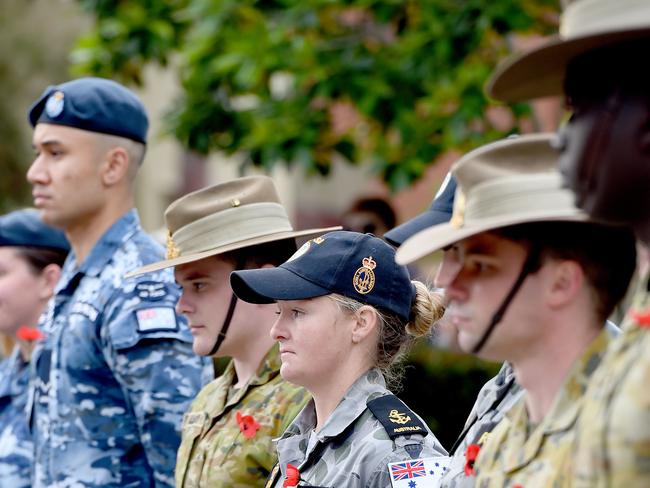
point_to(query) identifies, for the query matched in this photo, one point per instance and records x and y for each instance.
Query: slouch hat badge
(172, 250)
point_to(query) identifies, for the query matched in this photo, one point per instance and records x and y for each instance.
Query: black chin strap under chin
(231, 310)
(527, 268)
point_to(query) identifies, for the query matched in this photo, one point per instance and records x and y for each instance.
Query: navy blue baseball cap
(438, 213)
(358, 266)
(25, 228)
(93, 104)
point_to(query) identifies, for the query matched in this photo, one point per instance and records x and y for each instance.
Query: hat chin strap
(231, 310)
(226, 324)
(526, 269)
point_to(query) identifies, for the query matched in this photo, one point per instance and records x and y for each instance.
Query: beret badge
(364, 277)
(54, 104)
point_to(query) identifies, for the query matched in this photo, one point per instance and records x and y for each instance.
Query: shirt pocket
(189, 461)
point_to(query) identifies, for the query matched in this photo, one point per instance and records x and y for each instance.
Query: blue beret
(438, 213)
(358, 266)
(93, 104)
(25, 228)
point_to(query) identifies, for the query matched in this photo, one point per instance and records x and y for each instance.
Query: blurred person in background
(369, 215)
(31, 256)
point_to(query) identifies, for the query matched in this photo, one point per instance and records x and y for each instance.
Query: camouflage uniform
(495, 399)
(214, 452)
(115, 372)
(613, 434)
(16, 448)
(354, 447)
(518, 453)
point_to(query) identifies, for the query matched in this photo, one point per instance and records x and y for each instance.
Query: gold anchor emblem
(398, 418)
(172, 250)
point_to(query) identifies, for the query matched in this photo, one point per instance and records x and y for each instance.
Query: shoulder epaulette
(397, 418)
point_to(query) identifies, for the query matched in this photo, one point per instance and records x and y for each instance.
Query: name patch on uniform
(156, 319)
(397, 418)
(151, 290)
(419, 473)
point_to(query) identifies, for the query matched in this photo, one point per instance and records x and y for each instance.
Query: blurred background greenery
(389, 84)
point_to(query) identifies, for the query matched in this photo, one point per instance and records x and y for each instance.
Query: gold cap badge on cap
(364, 277)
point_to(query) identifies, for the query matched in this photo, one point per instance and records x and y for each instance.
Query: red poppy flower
(642, 318)
(29, 334)
(292, 477)
(470, 457)
(247, 425)
(517, 486)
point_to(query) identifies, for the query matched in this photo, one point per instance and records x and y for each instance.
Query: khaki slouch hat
(512, 181)
(225, 217)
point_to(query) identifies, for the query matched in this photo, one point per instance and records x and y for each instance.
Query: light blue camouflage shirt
(115, 371)
(16, 448)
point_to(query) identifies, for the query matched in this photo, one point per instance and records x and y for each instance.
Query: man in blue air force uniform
(116, 371)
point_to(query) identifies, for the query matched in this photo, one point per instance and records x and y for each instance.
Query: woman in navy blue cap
(346, 311)
(31, 256)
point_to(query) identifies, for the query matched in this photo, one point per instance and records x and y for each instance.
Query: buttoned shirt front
(219, 451)
(518, 452)
(16, 447)
(352, 449)
(612, 444)
(115, 371)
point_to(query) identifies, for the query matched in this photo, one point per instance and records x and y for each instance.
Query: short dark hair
(40, 257)
(274, 253)
(606, 254)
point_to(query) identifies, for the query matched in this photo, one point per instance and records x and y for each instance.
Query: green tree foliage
(392, 82)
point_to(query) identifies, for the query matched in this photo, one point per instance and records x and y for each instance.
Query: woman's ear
(365, 323)
(49, 277)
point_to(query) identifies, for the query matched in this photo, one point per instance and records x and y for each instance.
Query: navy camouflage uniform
(356, 444)
(16, 448)
(115, 372)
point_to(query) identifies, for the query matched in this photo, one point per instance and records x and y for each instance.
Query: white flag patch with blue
(419, 473)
